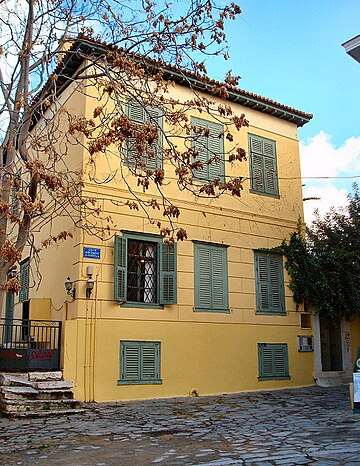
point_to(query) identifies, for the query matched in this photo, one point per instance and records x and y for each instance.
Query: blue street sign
(91, 253)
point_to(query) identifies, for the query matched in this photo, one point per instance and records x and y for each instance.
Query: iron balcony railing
(29, 344)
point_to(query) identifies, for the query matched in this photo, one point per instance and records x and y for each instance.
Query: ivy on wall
(323, 261)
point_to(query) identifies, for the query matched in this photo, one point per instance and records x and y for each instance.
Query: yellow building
(212, 315)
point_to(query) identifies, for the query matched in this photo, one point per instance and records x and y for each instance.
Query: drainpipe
(94, 335)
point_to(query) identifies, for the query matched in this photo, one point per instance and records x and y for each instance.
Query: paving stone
(312, 426)
(261, 463)
(325, 463)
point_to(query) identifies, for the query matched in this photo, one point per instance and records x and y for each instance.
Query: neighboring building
(214, 314)
(336, 342)
(352, 48)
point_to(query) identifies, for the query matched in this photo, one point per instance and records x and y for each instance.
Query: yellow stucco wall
(209, 357)
(40, 309)
(207, 351)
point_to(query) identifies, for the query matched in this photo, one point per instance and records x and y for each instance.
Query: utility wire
(320, 177)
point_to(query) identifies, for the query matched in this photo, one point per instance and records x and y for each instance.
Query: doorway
(331, 344)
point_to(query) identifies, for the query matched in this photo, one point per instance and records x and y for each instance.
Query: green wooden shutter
(216, 149)
(203, 295)
(154, 155)
(263, 165)
(150, 356)
(257, 164)
(276, 284)
(24, 280)
(266, 368)
(211, 278)
(200, 147)
(257, 175)
(273, 361)
(130, 366)
(140, 362)
(211, 147)
(262, 283)
(270, 169)
(219, 278)
(280, 360)
(168, 275)
(139, 114)
(9, 315)
(120, 268)
(135, 113)
(269, 284)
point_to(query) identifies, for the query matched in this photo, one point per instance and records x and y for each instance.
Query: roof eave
(243, 99)
(352, 48)
(67, 69)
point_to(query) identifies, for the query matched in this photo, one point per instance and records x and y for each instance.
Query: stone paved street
(289, 427)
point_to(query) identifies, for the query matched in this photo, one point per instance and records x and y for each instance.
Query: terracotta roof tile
(246, 98)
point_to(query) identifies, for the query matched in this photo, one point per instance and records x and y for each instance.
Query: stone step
(53, 385)
(28, 393)
(8, 406)
(47, 413)
(54, 394)
(45, 376)
(36, 394)
(13, 379)
(17, 392)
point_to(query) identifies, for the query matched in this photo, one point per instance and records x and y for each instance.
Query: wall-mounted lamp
(12, 272)
(69, 288)
(89, 282)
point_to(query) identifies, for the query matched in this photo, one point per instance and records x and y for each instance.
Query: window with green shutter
(263, 166)
(148, 156)
(139, 362)
(211, 277)
(24, 280)
(273, 361)
(145, 270)
(270, 298)
(209, 150)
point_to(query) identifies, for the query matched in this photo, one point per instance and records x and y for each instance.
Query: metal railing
(29, 344)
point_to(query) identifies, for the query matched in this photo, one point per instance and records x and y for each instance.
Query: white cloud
(320, 158)
(322, 166)
(330, 196)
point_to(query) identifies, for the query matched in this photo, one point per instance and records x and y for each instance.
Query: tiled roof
(84, 44)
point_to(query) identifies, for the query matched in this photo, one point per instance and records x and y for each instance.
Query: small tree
(40, 41)
(323, 264)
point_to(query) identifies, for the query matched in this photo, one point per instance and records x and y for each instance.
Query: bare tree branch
(49, 47)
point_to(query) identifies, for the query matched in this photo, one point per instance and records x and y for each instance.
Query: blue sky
(290, 51)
